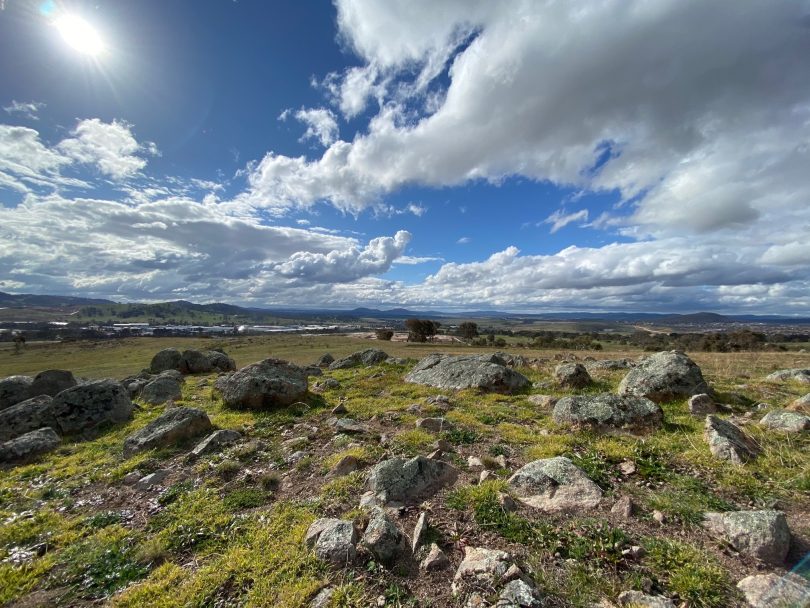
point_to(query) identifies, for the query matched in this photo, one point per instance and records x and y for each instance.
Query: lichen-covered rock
(370, 356)
(52, 382)
(172, 427)
(485, 372)
(334, 540)
(608, 410)
(406, 481)
(774, 591)
(802, 376)
(728, 442)
(637, 599)
(480, 568)
(609, 364)
(434, 560)
(29, 445)
(325, 360)
(665, 376)
(381, 538)
(193, 361)
(787, 421)
(26, 416)
(555, 484)
(87, 406)
(543, 400)
(572, 375)
(433, 425)
(220, 361)
(518, 594)
(265, 384)
(761, 534)
(702, 404)
(802, 404)
(215, 442)
(15, 389)
(160, 390)
(166, 359)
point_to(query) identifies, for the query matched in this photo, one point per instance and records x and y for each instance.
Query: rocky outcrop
(160, 390)
(555, 484)
(485, 372)
(269, 383)
(572, 375)
(763, 535)
(406, 481)
(26, 416)
(52, 382)
(29, 445)
(608, 410)
(787, 421)
(87, 406)
(774, 591)
(728, 442)
(663, 377)
(191, 361)
(15, 389)
(802, 376)
(174, 426)
(370, 356)
(334, 540)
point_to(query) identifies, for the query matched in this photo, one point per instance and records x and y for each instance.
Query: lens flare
(80, 35)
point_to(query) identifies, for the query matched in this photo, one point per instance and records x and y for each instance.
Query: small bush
(269, 481)
(228, 470)
(384, 334)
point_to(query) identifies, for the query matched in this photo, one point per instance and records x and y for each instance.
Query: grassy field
(227, 530)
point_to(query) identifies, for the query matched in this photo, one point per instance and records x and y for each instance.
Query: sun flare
(80, 35)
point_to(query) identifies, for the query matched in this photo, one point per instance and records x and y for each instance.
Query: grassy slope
(224, 531)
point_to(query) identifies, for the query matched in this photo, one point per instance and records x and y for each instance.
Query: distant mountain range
(90, 308)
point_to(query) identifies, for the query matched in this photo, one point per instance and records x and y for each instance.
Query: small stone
(634, 552)
(764, 535)
(485, 475)
(433, 425)
(637, 599)
(518, 594)
(659, 517)
(419, 532)
(627, 467)
(480, 567)
(382, 537)
(345, 465)
(728, 442)
(152, 480)
(215, 441)
(701, 404)
(323, 599)
(506, 502)
(435, 455)
(474, 462)
(624, 507)
(786, 421)
(544, 401)
(443, 445)
(333, 540)
(339, 409)
(435, 559)
(131, 478)
(501, 460)
(774, 591)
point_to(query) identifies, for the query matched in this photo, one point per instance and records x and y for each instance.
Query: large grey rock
(26, 416)
(220, 361)
(761, 534)
(572, 375)
(370, 356)
(663, 377)
(265, 384)
(406, 481)
(87, 406)
(787, 421)
(480, 568)
(161, 389)
(728, 442)
(52, 382)
(555, 484)
(381, 538)
(774, 591)
(215, 442)
(518, 593)
(608, 410)
(637, 599)
(29, 445)
(170, 428)
(195, 361)
(334, 540)
(15, 389)
(486, 372)
(168, 358)
(802, 376)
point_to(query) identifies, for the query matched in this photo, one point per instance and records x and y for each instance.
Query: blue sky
(515, 155)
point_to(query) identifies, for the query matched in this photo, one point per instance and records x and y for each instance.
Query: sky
(522, 155)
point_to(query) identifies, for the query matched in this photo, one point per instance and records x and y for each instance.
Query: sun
(80, 35)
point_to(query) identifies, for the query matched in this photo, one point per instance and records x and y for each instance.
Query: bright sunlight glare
(80, 35)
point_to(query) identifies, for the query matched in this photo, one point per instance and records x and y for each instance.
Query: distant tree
(490, 338)
(384, 334)
(419, 330)
(468, 330)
